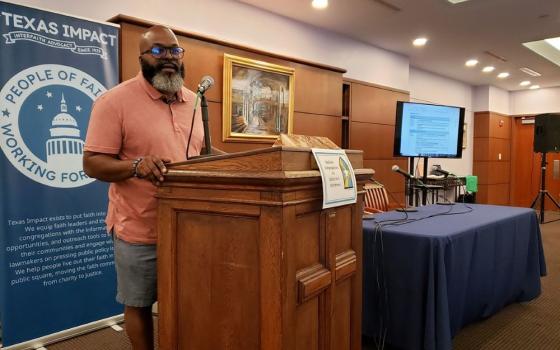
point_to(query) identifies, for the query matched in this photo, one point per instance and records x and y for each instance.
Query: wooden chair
(376, 199)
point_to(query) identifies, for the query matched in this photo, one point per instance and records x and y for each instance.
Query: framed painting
(258, 103)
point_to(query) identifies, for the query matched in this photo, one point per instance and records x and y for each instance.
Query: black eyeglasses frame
(165, 50)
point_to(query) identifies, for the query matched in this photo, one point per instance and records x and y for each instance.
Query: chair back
(376, 199)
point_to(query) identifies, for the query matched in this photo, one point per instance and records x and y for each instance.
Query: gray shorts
(136, 273)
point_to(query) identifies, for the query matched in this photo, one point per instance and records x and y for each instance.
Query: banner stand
(57, 275)
(67, 334)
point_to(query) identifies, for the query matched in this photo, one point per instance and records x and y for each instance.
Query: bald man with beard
(135, 129)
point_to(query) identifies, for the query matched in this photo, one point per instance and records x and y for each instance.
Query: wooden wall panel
(482, 125)
(500, 126)
(375, 139)
(492, 149)
(372, 120)
(500, 149)
(492, 156)
(318, 125)
(491, 124)
(492, 172)
(130, 39)
(317, 90)
(374, 104)
(493, 194)
(393, 182)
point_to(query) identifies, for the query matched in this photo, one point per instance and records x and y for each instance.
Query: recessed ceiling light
(488, 69)
(320, 4)
(525, 83)
(456, 1)
(534, 87)
(503, 75)
(471, 63)
(420, 41)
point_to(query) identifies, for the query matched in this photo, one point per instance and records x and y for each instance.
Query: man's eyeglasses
(159, 52)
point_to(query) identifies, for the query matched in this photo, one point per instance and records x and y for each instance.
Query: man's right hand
(109, 168)
(152, 168)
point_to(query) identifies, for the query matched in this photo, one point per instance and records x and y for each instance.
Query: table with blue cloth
(429, 273)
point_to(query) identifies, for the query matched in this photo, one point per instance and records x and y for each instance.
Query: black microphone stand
(207, 141)
(410, 185)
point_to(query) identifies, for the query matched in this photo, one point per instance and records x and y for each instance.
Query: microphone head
(205, 84)
(209, 79)
(395, 168)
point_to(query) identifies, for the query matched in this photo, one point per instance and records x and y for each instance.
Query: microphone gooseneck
(205, 83)
(396, 169)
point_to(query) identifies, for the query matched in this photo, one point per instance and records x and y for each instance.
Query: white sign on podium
(339, 181)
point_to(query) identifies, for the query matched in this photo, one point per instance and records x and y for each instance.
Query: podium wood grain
(247, 259)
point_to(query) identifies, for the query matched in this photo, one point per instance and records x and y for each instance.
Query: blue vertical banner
(56, 260)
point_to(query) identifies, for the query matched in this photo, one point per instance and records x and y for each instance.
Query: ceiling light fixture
(534, 87)
(471, 63)
(320, 4)
(456, 1)
(420, 42)
(488, 69)
(525, 83)
(554, 42)
(496, 56)
(530, 72)
(503, 75)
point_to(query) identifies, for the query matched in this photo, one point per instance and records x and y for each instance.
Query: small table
(446, 267)
(448, 183)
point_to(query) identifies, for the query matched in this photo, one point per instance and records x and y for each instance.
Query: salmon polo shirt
(131, 120)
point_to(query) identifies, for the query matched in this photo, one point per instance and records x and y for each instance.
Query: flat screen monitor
(427, 130)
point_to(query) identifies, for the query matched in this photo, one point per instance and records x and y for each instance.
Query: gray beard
(167, 84)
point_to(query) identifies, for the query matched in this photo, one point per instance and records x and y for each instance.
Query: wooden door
(526, 168)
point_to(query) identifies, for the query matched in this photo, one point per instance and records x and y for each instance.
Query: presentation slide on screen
(429, 130)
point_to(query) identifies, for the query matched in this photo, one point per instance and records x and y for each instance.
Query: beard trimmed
(168, 84)
(163, 82)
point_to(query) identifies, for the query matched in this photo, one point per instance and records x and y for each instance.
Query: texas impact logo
(43, 120)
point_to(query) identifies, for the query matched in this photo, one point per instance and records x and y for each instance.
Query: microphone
(205, 84)
(396, 169)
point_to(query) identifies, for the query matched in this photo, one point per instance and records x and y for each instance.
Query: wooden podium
(247, 259)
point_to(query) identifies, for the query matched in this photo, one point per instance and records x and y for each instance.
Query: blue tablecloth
(446, 267)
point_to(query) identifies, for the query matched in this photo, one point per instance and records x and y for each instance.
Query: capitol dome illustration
(65, 147)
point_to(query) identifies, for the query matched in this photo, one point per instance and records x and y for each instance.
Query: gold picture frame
(258, 103)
